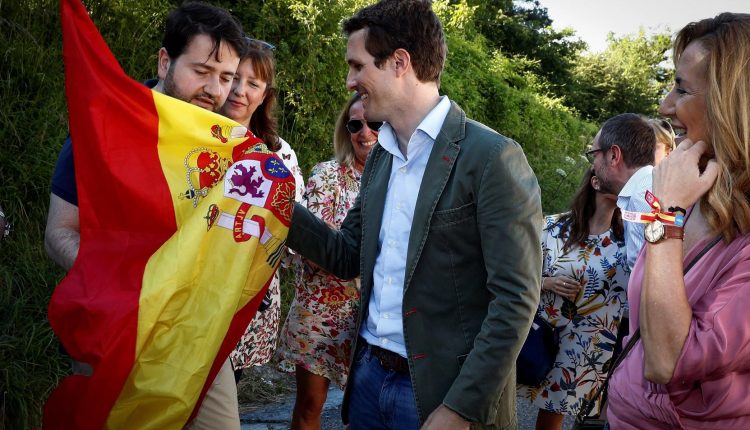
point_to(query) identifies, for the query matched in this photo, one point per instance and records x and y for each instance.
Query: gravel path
(276, 416)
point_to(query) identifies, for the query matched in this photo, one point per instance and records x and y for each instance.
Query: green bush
(32, 115)
(33, 123)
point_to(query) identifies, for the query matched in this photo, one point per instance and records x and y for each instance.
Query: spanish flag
(183, 217)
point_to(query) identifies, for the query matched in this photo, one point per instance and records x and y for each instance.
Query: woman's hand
(678, 181)
(562, 285)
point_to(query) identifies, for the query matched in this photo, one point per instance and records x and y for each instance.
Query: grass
(263, 385)
(32, 127)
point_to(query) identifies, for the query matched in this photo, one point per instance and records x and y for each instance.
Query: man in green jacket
(445, 235)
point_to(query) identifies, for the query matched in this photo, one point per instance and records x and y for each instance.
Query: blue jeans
(380, 399)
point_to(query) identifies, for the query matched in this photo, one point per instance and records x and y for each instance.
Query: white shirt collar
(633, 184)
(430, 125)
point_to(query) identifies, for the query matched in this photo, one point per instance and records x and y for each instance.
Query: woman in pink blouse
(691, 368)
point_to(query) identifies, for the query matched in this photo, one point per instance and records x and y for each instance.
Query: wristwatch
(657, 230)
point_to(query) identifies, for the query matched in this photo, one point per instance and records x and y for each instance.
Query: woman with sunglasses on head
(664, 138)
(251, 103)
(690, 288)
(317, 338)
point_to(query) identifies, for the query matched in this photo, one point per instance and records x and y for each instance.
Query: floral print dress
(320, 328)
(588, 324)
(257, 345)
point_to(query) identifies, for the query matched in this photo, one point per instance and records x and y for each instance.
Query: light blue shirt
(632, 198)
(384, 326)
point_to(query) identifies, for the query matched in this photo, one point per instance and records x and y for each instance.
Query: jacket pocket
(447, 218)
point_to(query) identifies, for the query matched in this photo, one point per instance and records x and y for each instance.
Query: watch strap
(673, 232)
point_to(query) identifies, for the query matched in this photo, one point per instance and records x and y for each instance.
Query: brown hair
(633, 134)
(342, 141)
(582, 208)
(406, 24)
(263, 122)
(193, 18)
(726, 39)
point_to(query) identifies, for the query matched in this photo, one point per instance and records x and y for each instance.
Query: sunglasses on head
(355, 125)
(667, 126)
(257, 42)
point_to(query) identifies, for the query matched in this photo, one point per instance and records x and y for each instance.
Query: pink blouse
(710, 388)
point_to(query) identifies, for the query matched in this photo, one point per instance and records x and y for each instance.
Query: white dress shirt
(384, 327)
(632, 198)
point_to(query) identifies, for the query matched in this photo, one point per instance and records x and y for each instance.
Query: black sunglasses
(355, 125)
(262, 43)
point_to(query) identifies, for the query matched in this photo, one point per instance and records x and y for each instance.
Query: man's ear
(163, 64)
(615, 156)
(401, 61)
(595, 182)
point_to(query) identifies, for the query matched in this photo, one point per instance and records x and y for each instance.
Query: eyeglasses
(262, 43)
(591, 154)
(355, 125)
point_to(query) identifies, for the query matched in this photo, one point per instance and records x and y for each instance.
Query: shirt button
(384, 342)
(386, 315)
(402, 170)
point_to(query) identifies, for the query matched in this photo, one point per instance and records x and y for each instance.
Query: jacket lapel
(439, 166)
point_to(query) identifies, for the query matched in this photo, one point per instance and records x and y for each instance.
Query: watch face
(654, 231)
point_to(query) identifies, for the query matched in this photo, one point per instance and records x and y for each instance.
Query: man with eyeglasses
(622, 155)
(445, 234)
(201, 50)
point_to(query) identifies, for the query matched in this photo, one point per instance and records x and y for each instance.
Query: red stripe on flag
(94, 311)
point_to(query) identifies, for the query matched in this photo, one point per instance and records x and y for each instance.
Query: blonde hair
(342, 141)
(726, 39)
(664, 133)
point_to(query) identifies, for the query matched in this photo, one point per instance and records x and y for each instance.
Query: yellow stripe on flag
(195, 283)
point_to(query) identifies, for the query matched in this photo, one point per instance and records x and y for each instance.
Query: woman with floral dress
(584, 281)
(251, 103)
(316, 341)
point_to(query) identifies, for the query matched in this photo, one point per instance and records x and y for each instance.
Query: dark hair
(194, 18)
(633, 134)
(263, 122)
(582, 208)
(407, 24)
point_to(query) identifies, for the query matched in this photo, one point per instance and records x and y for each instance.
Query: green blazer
(473, 267)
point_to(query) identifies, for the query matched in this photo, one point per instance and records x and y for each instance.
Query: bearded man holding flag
(171, 227)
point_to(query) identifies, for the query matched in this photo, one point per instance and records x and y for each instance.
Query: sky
(594, 19)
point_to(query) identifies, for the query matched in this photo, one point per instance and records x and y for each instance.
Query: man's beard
(170, 89)
(605, 185)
